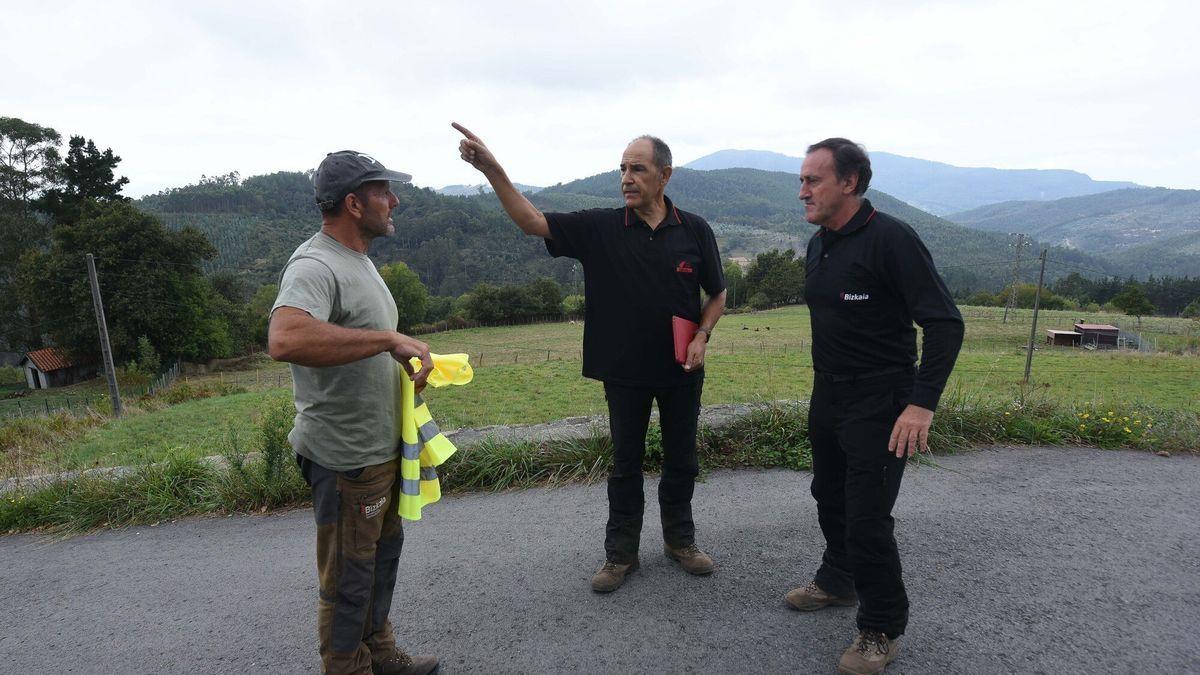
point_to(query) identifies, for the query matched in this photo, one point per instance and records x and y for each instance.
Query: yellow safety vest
(422, 444)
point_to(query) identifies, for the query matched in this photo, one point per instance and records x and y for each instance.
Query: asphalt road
(1017, 560)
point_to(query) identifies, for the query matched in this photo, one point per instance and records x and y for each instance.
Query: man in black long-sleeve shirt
(868, 278)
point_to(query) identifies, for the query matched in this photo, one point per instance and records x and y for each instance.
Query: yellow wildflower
(1110, 413)
(1137, 421)
(1082, 427)
(1128, 431)
(1085, 416)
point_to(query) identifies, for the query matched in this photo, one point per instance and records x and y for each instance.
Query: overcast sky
(557, 88)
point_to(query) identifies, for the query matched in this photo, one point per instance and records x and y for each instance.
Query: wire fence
(83, 403)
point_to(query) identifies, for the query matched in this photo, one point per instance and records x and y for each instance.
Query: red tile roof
(49, 359)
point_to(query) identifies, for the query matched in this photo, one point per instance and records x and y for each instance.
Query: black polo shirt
(635, 279)
(865, 286)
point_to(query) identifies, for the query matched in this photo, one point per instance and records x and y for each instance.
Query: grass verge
(258, 472)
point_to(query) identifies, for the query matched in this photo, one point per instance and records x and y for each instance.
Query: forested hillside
(1156, 230)
(935, 187)
(752, 210)
(451, 242)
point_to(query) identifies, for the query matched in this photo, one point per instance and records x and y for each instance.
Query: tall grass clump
(265, 476)
(496, 465)
(173, 488)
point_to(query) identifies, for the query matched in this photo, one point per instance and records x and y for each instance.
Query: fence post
(1037, 297)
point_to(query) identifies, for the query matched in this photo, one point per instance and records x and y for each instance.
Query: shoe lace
(812, 588)
(869, 639)
(396, 658)
(608, 566)
(689, 550)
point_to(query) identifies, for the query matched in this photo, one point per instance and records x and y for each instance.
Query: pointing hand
(473, 151)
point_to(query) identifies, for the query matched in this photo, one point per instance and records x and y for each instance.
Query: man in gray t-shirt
(334, 321)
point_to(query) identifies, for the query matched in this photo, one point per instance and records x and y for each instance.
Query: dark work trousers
(628, 419)
(855, 483)
(359, 537)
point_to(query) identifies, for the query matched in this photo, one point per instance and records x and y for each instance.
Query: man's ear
(666, 175)
(850, 184)
(352, 205)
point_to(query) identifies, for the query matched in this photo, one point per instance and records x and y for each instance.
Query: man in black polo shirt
(868, 278)
(643, 264)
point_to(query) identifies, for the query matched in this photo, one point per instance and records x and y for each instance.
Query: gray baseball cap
(343, 171)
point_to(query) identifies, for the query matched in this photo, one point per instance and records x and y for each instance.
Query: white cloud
(179, 90)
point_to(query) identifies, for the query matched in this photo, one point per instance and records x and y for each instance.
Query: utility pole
(1037, 298)
(105, 349)
(1012, 282)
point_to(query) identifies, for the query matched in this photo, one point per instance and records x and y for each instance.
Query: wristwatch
(707, 333)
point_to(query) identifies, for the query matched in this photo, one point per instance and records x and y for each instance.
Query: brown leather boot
(811, 597)
(611, 575)
(693, 560)
(869, 654)
(399, 663)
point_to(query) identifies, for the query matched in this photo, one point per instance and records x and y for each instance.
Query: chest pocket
(858, 291)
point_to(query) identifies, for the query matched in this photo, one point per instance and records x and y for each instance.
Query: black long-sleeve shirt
(866, 284)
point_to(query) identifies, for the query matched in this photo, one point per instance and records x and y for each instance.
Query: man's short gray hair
(662, 153)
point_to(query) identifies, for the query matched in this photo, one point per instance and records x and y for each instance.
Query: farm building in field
(1098, 334)
(1064, 338)
(52, 367)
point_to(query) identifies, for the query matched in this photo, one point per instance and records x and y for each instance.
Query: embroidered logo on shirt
(684, 267)
(855, 297)
(372, 510)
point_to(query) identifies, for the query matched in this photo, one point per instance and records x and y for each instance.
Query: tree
(29, 163)
(1192, 311)
(260, 312)
(87, 175)
(983, 299)
(775, 278)
(574, 306)
(547, 297)
(1133, 302)
(412, 300)
(150, 279)
(735, 285)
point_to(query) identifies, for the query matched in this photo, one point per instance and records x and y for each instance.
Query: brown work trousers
(359, 537)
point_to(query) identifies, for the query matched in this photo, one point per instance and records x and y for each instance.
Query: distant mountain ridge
(752, 210)
(479, 188)
(935, 187)
(1154, 225)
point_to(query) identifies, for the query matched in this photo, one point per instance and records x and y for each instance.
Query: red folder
(683, 331)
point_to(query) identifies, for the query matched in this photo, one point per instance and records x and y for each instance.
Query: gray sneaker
(611, 575)
(869, 654)
(811, 597)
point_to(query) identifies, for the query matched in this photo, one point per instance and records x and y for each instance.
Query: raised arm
(520, 210)
(297, 337)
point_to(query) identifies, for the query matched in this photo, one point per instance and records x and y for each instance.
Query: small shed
(1064, 338)
(1098, 334)
(53, 367)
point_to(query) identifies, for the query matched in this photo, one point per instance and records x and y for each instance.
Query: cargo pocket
(367, 499)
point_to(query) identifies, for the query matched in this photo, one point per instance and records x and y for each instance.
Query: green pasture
(531, 374)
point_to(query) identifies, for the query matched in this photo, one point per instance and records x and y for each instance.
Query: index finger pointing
(464, 131)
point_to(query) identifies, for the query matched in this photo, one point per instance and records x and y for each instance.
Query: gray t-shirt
(345, 415)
